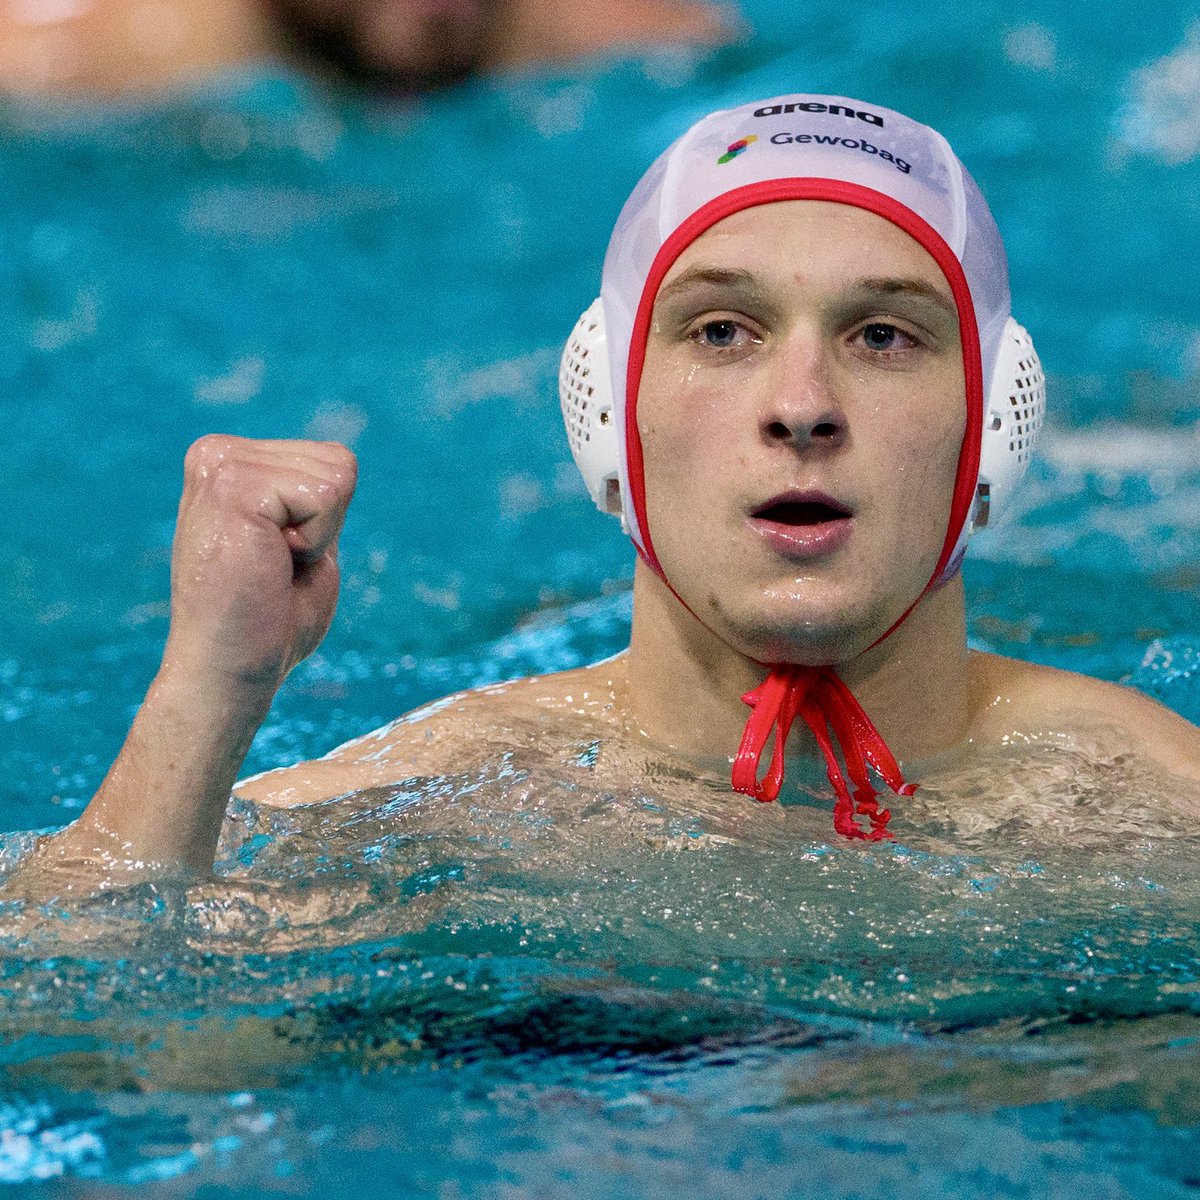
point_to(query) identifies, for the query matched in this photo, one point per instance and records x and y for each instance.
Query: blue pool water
(621, 1004)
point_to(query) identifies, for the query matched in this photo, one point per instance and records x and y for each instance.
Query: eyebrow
(694, 277)
(892, 286)
(882, 285)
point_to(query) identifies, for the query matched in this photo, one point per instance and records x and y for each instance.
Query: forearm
(254, 582)
(160, 807)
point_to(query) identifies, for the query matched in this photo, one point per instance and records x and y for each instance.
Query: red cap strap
(837, 721)
(773, 706)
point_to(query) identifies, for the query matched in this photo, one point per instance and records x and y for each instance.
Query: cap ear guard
(1012, 418)
(586, 395)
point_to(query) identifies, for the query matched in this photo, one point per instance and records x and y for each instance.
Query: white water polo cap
(805, 147)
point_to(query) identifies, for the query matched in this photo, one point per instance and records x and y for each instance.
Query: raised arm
(254, 583)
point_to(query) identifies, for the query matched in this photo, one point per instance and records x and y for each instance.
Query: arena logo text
(814, 106)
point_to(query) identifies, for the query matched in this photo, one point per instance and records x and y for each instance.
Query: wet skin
(802, 412)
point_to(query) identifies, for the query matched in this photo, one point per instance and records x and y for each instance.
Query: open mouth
(803, 525)
(801, 512)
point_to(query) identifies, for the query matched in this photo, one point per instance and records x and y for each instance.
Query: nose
(803, 407)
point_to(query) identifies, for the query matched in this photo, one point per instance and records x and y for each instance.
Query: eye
(719, 334)
(723, 334)
(882, 338)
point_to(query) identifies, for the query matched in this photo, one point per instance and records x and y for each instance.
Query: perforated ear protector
(586, 395)
(1013, 414)
(1012, 419)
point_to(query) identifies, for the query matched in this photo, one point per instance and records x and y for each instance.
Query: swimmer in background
(800, 390)
(82, 48)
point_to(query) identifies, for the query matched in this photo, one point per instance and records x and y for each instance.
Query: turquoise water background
(267, 260)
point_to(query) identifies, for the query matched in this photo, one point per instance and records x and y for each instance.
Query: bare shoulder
(440, 736)
(1016, 700)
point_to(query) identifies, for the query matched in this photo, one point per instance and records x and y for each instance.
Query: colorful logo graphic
(736, 148)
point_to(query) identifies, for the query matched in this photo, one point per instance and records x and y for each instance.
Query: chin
(814, 631)
(810, 638)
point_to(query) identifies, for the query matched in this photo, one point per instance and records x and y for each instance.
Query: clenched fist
(254, 577)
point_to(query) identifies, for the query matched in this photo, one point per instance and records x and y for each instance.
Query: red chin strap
(829, 709)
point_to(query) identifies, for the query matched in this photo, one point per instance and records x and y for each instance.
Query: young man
(800, 390)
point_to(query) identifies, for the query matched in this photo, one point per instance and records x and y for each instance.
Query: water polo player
(801, 390)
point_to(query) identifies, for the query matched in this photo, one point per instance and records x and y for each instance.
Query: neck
(686, 684)
(110, 47)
